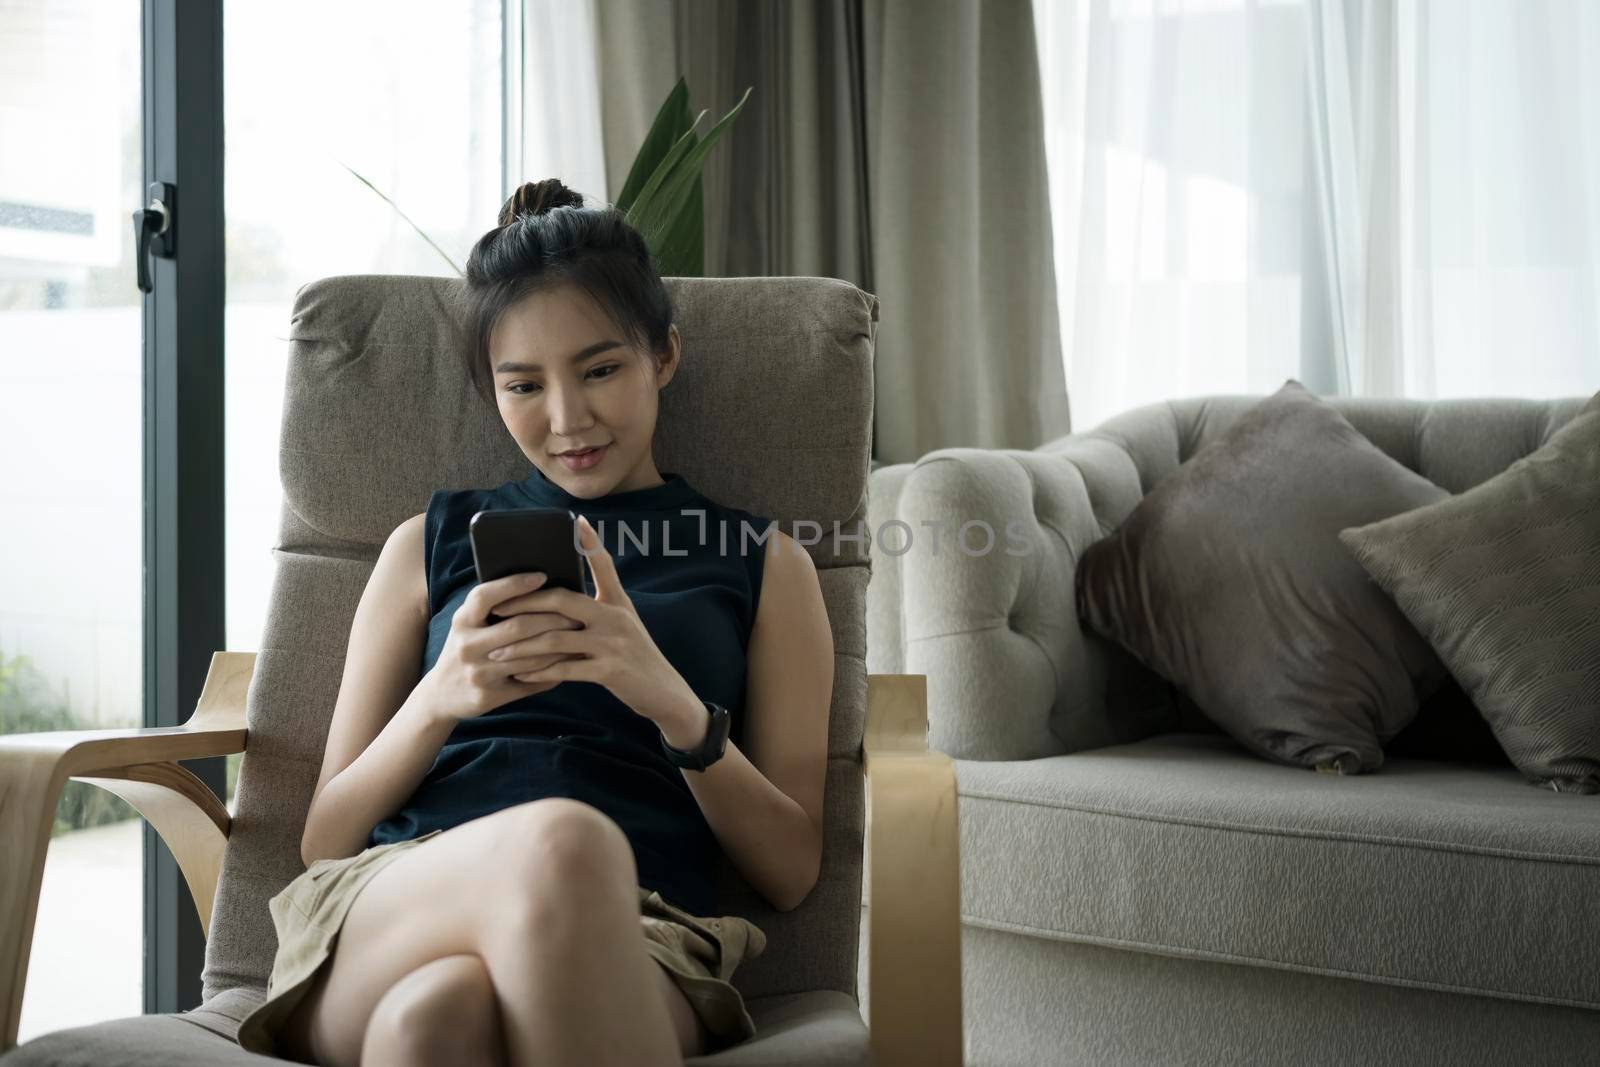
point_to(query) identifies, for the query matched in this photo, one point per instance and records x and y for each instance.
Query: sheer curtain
(560, 128)
(1392, 197)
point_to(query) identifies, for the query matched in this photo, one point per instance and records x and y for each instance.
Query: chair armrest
(138, 765)
(913, 872)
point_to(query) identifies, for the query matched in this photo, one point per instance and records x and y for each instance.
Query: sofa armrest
(913, 872)
(989, 614)
(140, 766)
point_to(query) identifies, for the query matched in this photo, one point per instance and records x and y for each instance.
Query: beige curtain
(897, 144)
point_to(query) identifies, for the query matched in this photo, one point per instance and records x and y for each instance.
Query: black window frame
(184, 437)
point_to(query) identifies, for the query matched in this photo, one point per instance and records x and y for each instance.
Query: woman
(509, 843)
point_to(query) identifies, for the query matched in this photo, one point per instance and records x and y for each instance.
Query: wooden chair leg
(28, 796)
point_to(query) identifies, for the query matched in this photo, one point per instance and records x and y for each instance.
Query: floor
(87, 962)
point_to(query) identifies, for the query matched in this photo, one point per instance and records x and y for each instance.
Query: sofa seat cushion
(1447, 876)
(823, 1028)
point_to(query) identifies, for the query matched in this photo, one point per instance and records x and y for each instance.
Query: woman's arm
(385, 732)
(767, 815)
(766, 810)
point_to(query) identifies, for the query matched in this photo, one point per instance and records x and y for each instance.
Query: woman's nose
(569, 412)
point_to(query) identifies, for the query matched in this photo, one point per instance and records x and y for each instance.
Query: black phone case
(518, 540)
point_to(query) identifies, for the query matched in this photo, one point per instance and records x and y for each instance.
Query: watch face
(717, 736)
(711, 748)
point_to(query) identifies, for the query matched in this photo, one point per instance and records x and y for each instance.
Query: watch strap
(711, 748)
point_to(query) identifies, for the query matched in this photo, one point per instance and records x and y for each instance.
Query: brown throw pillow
(1229, 581)
(1504, 580)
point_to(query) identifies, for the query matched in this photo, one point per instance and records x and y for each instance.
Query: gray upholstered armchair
(772, 411)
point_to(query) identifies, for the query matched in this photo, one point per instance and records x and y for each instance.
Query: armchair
(772, 410)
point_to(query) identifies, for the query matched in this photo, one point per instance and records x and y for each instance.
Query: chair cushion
(822, 1028)
(1449, 876)
(1229, 580)
(1504, 581)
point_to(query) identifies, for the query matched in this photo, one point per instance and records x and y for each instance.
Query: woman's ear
(671, 358)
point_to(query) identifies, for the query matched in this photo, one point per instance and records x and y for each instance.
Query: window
(71, 454)
(406, 94)
(1381, 200)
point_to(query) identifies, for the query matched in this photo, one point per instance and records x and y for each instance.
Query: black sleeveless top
(693, 570)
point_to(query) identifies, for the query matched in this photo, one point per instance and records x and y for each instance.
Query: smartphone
(516, 540)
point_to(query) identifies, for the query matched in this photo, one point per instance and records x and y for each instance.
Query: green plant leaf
(679, 151)
(669, 189)
(682, 252)
(669, 125)
(403, 215)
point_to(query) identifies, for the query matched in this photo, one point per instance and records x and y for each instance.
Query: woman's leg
(545, 895)
(692, 1033)
(442, 1012)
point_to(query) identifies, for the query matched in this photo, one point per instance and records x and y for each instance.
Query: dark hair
(546, 238)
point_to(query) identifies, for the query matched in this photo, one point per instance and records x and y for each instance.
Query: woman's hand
(466, 680)
(611, 647)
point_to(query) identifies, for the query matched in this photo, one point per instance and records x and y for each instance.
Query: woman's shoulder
(468, 500)
(749, 537)
(448, 515)
(735, 530)
(755, 520)
(442, 502)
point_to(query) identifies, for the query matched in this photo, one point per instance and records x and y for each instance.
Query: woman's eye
(525, 388)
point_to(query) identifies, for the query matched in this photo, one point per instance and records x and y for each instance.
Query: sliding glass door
(110, 472)
(141, 372)
(71, 469)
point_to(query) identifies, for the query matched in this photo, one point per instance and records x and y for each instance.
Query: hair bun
(537, 198)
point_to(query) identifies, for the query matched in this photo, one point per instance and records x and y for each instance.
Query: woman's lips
(584, 460)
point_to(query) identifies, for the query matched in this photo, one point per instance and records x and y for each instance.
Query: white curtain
(560, 130)
(1379, 197)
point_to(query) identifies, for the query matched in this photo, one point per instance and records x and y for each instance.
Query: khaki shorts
(698, 953)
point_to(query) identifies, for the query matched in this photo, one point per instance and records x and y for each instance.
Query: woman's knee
(575, 839)
(559, 850)
(442, 1012)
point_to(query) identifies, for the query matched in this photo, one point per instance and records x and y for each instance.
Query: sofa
(1136, 888)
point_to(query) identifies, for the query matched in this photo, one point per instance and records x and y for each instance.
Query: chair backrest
(771, 412)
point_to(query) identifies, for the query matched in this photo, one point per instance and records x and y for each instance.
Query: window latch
(155, 230)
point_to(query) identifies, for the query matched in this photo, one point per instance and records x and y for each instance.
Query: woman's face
(565, 377)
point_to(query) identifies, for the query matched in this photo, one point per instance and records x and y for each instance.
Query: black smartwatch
(710, 750)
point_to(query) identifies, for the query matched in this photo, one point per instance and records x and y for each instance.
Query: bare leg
(692, 1033)
(544, 894)
(442, 1012)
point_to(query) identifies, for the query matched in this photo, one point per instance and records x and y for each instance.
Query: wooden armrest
(913, 875)
(138, 765)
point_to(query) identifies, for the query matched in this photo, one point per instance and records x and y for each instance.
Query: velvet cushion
(1504, 581)
(1229, 580)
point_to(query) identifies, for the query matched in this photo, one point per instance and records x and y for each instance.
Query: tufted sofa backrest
(1456, 444)
(1011, 674)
